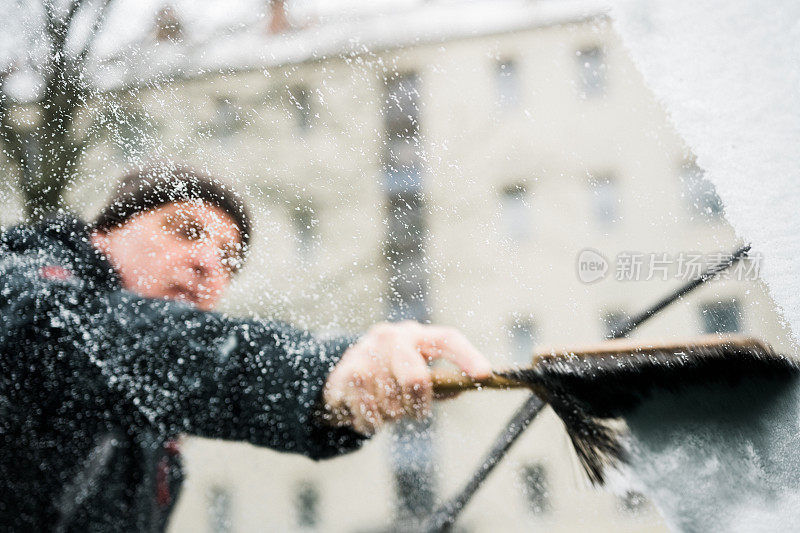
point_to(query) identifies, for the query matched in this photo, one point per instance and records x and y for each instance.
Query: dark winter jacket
(97, 381)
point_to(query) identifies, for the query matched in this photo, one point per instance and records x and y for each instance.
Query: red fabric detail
(55, 272)
(173, 447)
(163, 497)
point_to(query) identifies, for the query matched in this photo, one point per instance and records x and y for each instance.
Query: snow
(228, 36)
(225, 35)
(728, 74)
(24, 86)
(405, 24)
(721, 458)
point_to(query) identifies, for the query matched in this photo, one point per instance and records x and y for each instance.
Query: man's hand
(385, 375)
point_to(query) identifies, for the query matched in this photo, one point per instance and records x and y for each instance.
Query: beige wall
(480, 277)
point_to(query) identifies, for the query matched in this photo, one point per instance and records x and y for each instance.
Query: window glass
(721, 317)
(591, 62)
(516, 212)
(535, 488)
(507, 80)
(700, 194)
(523, 340)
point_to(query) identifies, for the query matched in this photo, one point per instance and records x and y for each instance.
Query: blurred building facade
(455, 178)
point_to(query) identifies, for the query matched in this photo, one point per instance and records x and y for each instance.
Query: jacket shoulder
(28, 281)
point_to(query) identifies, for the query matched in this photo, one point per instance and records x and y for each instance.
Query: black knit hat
(156, 185)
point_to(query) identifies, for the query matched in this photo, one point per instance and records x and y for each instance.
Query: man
(110, 350)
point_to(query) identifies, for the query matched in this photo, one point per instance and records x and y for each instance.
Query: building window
(401, 109)
(402, 167)
(516, 211)
(227, 120)
(135, 132)
(413, 466)
(507, 79)
(632, 502)
(300, 104)
(219, 509)
(534, 487)
(613, 321)
(306, 503)
(523, 339)
(721, 317)
(404, 250)
(408, 271)
(404, 246)
(305, 224)
(592, 71)
(168, 26)
(700, 194)
(604, 198)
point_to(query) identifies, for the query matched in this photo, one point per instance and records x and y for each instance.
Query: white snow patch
(728, 74)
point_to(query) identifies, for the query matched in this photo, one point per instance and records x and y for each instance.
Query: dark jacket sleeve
(182, 370)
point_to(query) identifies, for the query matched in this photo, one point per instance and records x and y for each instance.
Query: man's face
(183, 251)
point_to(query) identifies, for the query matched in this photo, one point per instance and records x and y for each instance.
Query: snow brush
(448, 511)
(589, 386)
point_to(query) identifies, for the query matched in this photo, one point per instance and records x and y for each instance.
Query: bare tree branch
(96, 25)
(8, 134)
(11, 139)
(48, 156)
(73, 8)
(51, 21)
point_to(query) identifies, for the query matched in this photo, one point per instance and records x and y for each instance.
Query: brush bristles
(597, 443)
(589, 389)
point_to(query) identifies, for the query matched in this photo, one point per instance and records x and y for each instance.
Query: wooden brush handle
(448, 380)
(636, 346)
(451, 380)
